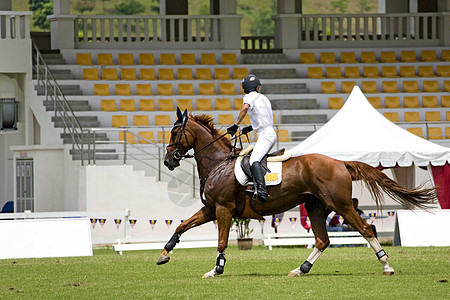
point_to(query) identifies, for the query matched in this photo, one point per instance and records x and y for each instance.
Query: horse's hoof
(163, 259)
(388, 272)
(210, 274)
(295, 272)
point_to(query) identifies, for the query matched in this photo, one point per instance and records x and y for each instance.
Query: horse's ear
(179, 115)
(185, 117)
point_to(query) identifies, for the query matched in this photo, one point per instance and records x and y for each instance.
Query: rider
(259, 110)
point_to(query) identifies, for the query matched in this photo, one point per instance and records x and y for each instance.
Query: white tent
(358, 132)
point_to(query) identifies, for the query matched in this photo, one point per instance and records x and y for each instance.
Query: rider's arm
(242, 113)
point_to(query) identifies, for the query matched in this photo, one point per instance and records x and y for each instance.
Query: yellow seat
(412, 116)
(434, 133)
(283, 135)
(187, 59)
(109, 74)
(203, 104)
(226, 119)
(185, 89)
(127, 105)
(388, 57)
(140, 120)
(408, 71)
(126, 59)
(123, 89)
(162, 120)
(143, 89)
(335, 102)
(352, 72)
(238, 103)
(166, 74)
(428, 56)
(368, 57)
(390, 87)
(328, 87)
(347, 86)
(392, 102)
(146, 59)
(208, 58)
(108, 105)
(307, 58)
(227, 89)
(432, 116)
(431, 86)
(369, 87)
(203, 74)
(90, 74)
(185, 104)
(164, 137)
(222, 73)
(327, 58)
(129, 136)
(146, 105)
(164, 89)
(389, 72)
(104, 59)
(240, 73)
(408, 56)
(128, 74)
(445, 101)
(333, 72)
(119, 120)
(348, 58)
(411, 102)
(101, 89)
(185, 74)
(429, 101)
(445, 55)
(371, 72)
(206, 88)
(246, 120)
(426, 71)
(448, 115)
(446, 85)
(167, 59)
(315, 72)
(447, 132)
(391, 116)
(165, 105)
(410, 86)
(147, 137)
(229, 59)
(147, 74)
(416, 131)
(375, 101)
(443, 71)
(84, 59)
(223, 104)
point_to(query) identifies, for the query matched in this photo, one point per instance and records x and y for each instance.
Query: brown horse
(324, 184)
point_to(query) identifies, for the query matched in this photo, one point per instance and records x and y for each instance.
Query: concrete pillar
(286, 24)
(444, 21)
(6, 5)
(229, 23)
(62, 25)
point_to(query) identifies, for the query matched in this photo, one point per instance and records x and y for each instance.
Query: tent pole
(430, 174)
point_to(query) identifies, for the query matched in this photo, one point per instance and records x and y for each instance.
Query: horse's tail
(376, 181)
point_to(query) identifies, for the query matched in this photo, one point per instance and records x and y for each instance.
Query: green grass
(258, 274)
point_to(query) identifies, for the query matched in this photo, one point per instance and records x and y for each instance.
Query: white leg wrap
(210, 274)
(384, 260)
(311, 259)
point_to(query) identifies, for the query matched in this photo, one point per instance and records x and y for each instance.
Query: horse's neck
(209, 158)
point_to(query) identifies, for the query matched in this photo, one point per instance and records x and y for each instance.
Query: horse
(324, 184)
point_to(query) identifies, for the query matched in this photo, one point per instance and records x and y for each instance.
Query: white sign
(45, 238)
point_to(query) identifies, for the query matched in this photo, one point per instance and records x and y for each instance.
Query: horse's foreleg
(204, 215)
(224, 216)
(317, 213)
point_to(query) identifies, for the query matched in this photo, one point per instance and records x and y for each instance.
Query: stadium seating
(431, 86)
(327, 58)
(146, 105)
(447, 132)
(108, 105)
(165, 105)
(166, 74)
(368, 57)
(143, 89)
(426, 71)
(90, 74)
(162, 120)
(435, 133)
(119, 120)
(203, 74)
(229, 59)
(109, 74)
(130, 139)
(101, 89)
(223, 104)
(164, 89)
(391, 116)
(390, 87)
(185, 89)
(445, 55)
(204, 104)
(375, 102)
(307, 58)
(411, 102)
(428, 56)
(447, 86)
(227, 89)
(369, 87)
(347, 86)
(167, 59)
(146, 136)
(416, 131)
(388, 57)
(206, 89)
(140, 120)
(208, 58)
(147, 74)
(185, 74)
(128, 74)
(123, 89)
(146, 59)
(432, 116)
(104, 59)
(84, 59)
(443, 71)
(333, 72)
(412, 116)
(410, 86)
(283, 135)
(238, 103)
(240, 73)
(352, 72)
(429, 101)
(328, 87)
(164, 137)
(185, 104)
(407, 71)
(315, 72)
(335, 102)
(187, 59)
(126, 59)
(127, 105)
(389, 71)
(392, 102)
(408, 56)
(348, 58)
(225, 119)
(222, 73)
(371, 72)
(445, 101)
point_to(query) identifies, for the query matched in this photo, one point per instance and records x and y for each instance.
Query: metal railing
(257, 44)
(52, 92)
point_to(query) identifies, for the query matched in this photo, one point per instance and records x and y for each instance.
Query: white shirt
(260, 111)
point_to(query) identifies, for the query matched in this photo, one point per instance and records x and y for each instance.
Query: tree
(364, 5)
(130, 7)
(339, 5)
(41, 9)
(84, 5)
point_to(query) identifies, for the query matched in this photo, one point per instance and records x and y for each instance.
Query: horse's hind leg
(317, 213)
(204, 215)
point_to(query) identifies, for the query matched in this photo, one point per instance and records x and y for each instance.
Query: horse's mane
(208, 122)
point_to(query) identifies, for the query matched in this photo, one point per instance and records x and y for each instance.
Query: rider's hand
(247, 129)
(232, 129)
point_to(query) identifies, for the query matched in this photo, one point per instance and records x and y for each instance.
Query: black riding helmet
(249, 83)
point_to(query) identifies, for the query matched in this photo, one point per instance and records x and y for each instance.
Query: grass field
(421, 273)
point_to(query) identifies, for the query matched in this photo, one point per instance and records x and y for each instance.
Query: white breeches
(266, 139)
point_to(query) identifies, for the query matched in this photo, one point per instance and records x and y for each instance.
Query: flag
(117, 222)
(215, 224)
(93, 222)
(276, 221)
(372, 217)
(152, 223)
(341, 219)
(168, 223)
(132, 223)
(293, 221)
(391, 215)
(102, 222)
(308, 221)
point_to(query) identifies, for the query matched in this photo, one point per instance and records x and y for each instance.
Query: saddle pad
(272, 178)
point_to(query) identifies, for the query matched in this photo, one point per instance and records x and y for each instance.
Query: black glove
(247, 129)
(232, 129)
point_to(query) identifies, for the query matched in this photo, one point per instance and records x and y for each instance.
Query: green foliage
(41, 9)
(130, 7)
(339, 6)
(84, 5)
(364, 5)
(242, 227)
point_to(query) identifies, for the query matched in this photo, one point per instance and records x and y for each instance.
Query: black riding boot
(258, 180)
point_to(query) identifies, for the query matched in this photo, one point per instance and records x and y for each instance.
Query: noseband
(176, 155)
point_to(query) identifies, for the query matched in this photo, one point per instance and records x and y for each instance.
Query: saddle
(245, 162)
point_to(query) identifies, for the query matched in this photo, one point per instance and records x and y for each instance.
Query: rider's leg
(259, 181)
